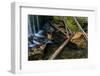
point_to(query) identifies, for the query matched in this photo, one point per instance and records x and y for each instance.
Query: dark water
(66, 53)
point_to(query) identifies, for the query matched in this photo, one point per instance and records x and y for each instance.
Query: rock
(36, 53)
(79, 40)
(77, 35)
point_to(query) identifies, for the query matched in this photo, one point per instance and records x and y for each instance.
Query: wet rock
(36, 53)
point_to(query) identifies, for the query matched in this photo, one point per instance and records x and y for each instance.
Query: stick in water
(60, 48)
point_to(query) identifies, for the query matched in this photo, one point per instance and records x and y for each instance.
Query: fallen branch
(55, 26)
(67, 35)
(60, 48)
(85, 35)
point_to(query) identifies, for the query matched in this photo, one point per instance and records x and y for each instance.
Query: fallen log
(60, 48)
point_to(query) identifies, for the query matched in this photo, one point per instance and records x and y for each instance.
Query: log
(60, 48)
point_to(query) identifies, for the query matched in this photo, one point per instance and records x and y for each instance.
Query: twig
(60, 30)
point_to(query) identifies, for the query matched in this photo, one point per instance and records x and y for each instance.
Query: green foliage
(71, 23)
(56, 19)
(83, 21)
(69, 20)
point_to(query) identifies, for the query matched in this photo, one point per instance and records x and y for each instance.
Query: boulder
(79, 40)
